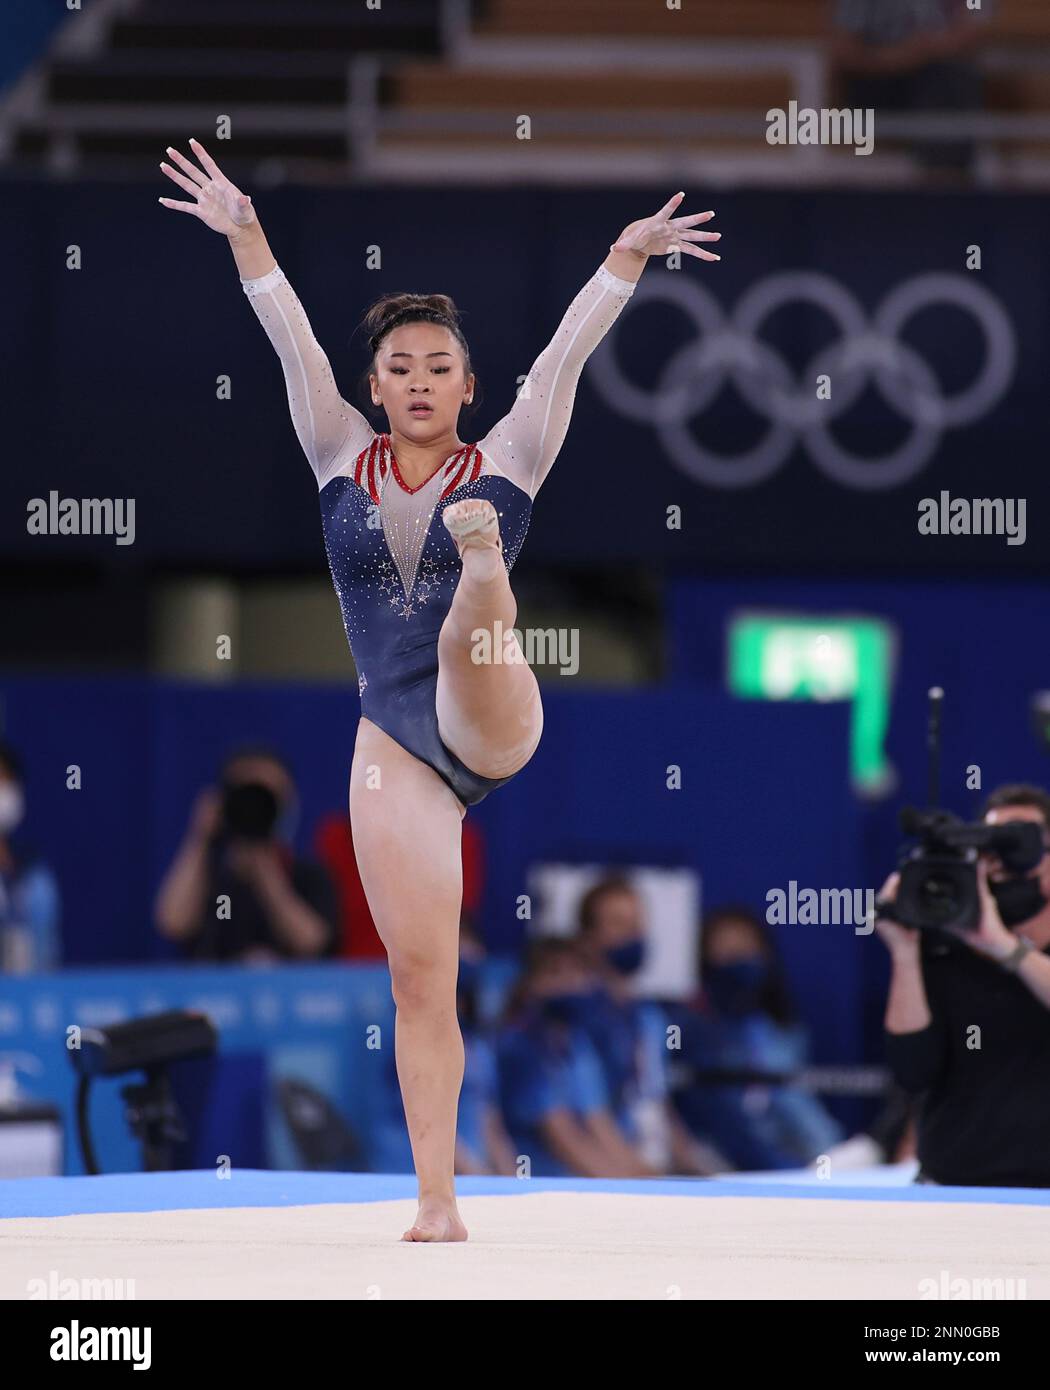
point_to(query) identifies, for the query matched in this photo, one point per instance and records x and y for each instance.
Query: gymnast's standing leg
(407, 836)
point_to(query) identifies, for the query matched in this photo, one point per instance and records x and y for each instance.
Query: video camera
(938, 876)
(938, 883)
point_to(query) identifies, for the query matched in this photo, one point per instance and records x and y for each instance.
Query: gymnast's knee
(508, 758)
(422, 982)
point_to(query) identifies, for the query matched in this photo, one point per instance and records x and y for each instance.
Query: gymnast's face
(420, 381)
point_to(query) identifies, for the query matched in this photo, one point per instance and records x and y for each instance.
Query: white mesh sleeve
(526, 441)
(330, 430)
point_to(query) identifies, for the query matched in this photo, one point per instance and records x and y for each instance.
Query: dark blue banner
(861, 382)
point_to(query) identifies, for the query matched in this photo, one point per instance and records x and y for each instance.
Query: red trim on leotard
(450, 462)
(370, 468)
(371, 465)
(372, 479)
(471, 462)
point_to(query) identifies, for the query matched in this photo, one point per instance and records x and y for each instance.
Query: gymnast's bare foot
(437, 1220)
(474, 526)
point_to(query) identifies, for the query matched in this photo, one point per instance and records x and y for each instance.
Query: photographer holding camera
(235, 891)
(968, 1016)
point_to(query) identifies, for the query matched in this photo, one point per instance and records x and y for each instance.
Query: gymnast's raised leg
(489, 711)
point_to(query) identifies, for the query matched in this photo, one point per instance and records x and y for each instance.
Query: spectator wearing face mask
(30, 908)
(630, 1033)
(554, 1096)
(743, 1021)
(236, 891)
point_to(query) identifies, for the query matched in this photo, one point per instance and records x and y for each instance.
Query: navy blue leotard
(394, 565)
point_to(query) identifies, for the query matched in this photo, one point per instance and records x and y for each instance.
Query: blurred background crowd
(566, 1061)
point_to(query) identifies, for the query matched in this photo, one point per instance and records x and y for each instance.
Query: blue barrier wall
(984, 644)
(765, 798)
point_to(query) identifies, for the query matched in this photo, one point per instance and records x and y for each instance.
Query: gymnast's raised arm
(329, 429)
(526, 441)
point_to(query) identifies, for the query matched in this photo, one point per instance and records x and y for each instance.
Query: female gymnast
(421, 532)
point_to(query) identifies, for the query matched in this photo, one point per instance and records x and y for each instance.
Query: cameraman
(968, 1021)
(235, 891)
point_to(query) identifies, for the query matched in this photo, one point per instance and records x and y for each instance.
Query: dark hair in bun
(394, 310)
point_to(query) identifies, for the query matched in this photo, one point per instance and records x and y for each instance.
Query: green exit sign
(780, 657)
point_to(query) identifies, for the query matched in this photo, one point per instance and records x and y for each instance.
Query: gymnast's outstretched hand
(218, 203)
(663, 232)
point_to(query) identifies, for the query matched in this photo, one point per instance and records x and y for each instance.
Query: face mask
(12, 806)
(1018, 899)
(628, 958)
(570, 1008)
(737, 987)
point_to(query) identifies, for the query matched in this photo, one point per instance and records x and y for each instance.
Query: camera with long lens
(938, 887)
(938, 876)
(250, 811)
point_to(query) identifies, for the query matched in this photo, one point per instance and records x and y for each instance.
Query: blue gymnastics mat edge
(138, 1192)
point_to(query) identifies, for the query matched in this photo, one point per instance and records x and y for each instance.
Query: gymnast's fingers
(179, 207)
(176, 177)
(184, 164)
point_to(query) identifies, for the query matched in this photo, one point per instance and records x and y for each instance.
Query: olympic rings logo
(731, 350)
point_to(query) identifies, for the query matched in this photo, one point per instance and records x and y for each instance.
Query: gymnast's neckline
(463, 448)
